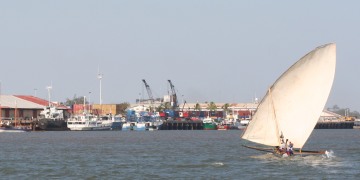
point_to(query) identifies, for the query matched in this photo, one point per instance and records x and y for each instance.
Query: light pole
(49, 89)
(100, 76)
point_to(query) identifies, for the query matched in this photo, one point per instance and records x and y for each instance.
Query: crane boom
(151, 98)
(173, 96)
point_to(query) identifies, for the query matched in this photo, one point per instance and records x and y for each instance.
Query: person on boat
(291, 151)
(282, 146)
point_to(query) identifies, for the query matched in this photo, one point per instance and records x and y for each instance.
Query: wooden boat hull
(296, 151)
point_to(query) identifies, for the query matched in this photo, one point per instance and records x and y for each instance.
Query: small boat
(116, 121)
(226, 124)
(209, 124)
(293, 104)
(13, 129)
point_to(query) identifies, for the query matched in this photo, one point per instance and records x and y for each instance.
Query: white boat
(143, 123)
(116, 121)
(88, 122)
(244, 122)
(293, 104)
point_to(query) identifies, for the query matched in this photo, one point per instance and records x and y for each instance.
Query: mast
(274, 113)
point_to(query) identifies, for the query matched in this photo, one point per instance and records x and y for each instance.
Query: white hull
(88, 123)
(141, 126)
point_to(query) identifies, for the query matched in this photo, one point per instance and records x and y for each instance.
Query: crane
(151, 98)
(173, 98)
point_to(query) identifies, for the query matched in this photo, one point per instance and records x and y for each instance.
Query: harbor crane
(173, 97)
(151, 98)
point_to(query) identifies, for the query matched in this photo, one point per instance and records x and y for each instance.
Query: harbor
(35, 114)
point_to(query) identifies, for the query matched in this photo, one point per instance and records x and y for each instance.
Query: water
(170, 154)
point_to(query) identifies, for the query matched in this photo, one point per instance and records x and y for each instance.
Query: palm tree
(212, 107)
(197, 107)
(225, 108)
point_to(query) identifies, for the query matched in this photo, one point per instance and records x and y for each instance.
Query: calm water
(169, 154)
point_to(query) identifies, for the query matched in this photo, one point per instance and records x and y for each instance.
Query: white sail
(295, 101)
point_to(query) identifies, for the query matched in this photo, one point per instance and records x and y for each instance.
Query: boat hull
(210, 126)
(223, 127)
(297, 152)
(51, 125)
(13, 129)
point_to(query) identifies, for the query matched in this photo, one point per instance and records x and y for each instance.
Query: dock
(335, 125)
(182, 125)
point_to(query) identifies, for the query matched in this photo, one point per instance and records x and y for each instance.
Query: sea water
(170, 154)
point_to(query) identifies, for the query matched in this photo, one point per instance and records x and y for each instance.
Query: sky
(221, 51)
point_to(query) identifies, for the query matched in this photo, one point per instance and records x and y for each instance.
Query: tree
(225, 108)
(212, 106)
(75, 100)
(123, 106)
(160, 108)
(197, 107)
(167, 105)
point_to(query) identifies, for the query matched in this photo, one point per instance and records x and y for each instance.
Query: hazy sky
(221, 51)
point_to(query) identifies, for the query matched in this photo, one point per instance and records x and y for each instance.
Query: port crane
(151, 98)
(173, 97)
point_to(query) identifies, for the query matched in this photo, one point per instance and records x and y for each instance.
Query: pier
(182, 125)
(335, 125)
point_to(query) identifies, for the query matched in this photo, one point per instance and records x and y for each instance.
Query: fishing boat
(293, 104)
(209, 124)
(226, 124)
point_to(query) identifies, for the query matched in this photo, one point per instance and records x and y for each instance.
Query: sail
(295, 101)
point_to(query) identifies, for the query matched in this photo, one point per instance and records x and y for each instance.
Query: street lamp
(49, 89)
(100, 76)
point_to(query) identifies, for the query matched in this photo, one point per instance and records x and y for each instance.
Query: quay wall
(182, 125)
(335, 125)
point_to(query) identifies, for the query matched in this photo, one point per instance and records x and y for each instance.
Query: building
(24, 107)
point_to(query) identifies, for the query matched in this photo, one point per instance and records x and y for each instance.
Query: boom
(151, 98)
(173, 96)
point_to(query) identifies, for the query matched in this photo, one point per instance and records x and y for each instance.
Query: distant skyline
(221, 51)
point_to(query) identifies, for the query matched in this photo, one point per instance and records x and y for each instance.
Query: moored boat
(223, 127)
(209, 124)
(51, 119)
(88, 122)
(13, 129)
